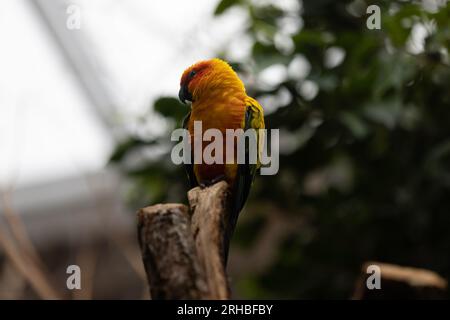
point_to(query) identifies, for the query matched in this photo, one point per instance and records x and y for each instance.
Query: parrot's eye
(192, 74)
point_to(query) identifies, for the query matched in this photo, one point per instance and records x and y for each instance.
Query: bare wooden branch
(167, 246)
(209, 223)
(184, 250)
(399, 282)
(27, 267)
(22, 252)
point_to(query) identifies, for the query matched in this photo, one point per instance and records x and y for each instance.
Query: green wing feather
(254, 119)
(189, 167)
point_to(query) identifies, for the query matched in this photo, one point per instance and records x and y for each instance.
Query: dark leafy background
(364, 164)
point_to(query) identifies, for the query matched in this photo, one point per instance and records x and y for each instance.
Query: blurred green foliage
(364, 119)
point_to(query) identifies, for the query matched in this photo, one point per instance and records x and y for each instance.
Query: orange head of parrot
(207, 77)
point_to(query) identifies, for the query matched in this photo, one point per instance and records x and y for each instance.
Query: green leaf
(224, 5)
(125, 147)
(266, 55)
(393, 23)
(385, 112)
(312, 38)
(170, 107)
(356, 125)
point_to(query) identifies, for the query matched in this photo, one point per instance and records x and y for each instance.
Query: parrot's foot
(207, 183)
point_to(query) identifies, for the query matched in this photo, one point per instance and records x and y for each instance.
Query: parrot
(218, 99)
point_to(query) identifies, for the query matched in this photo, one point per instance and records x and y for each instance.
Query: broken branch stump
(398, 282)
(183, 248)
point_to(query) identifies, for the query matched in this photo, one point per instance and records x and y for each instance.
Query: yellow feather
(220, 101)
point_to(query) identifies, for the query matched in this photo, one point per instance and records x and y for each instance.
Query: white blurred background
(66, 93)
(59, 87)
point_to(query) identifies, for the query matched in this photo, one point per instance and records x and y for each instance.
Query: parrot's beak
(184, 94)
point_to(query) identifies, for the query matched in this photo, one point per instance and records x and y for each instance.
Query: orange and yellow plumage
(219, 101)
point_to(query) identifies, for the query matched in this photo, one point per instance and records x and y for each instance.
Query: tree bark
(183, 249)
(209, 224)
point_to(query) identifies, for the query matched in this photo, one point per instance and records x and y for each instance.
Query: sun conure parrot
(219, 100)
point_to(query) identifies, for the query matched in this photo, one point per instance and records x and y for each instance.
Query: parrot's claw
(207, 183)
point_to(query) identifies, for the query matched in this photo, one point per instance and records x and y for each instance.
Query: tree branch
(398, 282)
(184, 250)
